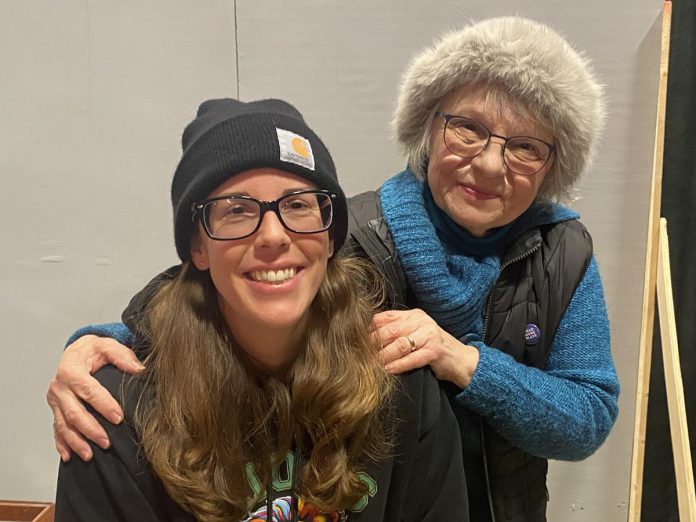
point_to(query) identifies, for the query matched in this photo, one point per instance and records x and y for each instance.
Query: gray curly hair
(527, 63)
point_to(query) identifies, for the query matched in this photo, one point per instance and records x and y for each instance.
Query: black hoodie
(422, 481)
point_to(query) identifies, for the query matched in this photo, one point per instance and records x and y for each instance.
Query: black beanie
(228, 137)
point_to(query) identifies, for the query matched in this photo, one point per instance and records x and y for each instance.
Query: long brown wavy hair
(205, 412)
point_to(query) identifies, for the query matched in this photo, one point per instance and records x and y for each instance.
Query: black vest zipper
(489, 299)
(489, 303)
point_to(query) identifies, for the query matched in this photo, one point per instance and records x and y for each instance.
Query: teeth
(273, 276)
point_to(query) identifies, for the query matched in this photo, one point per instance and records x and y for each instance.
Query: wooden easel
(658, 279)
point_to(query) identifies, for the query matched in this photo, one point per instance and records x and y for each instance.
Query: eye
(467, 130)
(470, 126)
(239, 208)
(296, 204)
(236, 209)
(528, 149)
(531, 147)
(233, 209)
(464, 125)
(299, 203)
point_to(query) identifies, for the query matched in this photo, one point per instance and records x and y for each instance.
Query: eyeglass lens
(468, 138)
(238, 217)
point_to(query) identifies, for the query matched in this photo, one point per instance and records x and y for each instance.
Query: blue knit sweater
(564, 412)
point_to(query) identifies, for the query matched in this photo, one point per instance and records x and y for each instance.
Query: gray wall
(93, 98)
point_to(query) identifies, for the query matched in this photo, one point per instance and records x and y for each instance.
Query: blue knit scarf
(451, 288)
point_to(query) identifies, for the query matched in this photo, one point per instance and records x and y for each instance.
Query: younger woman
(263, 398)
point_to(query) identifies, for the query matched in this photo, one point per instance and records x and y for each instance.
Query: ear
(199, 254)
(331, 248)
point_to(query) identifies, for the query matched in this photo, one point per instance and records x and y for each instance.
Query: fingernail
(115, 417)
(65, 457)
(103, 443)
(85, 455)
(138, 366)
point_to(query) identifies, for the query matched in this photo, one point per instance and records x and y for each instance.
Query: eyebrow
(484, 117)
(247, 194)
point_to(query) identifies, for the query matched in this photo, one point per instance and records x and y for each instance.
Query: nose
(491, 162)
(271, 232)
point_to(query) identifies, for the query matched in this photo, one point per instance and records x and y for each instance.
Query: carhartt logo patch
(295, 149)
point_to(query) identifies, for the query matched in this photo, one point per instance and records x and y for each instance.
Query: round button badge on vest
(532, 334)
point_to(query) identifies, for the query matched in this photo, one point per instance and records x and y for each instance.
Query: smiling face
(479, 193)
(267, 281)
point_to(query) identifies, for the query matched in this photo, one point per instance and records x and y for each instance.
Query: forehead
(263, 183)
(496, 109)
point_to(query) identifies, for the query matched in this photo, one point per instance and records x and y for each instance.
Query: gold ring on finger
(411, 342)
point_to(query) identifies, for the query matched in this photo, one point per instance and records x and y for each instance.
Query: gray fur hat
(531, 65)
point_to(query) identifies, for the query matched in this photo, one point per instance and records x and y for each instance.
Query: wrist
(468, 359)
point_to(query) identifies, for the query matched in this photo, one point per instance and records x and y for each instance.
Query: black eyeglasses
(237, 217)
(468, 138)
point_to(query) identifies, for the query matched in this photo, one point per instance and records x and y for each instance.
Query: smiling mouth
(478, 193)
(273, 277)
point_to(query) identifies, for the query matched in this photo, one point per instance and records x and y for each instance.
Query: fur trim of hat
(528, 62)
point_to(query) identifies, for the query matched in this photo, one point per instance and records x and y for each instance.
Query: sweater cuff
(486, 384)
(117, 331)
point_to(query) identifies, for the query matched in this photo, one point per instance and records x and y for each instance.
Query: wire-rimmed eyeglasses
(237, 217)
(467, 138)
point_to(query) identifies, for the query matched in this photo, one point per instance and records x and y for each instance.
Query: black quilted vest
(540, 270)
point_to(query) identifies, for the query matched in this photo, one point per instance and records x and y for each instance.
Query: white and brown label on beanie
(295, 149)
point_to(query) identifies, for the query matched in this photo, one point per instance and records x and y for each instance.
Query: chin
(280, 318)
(474, 223)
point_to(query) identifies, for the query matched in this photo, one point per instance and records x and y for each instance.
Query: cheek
(318, 253)
(324, 252)
(442, 177)
(223, 260)
(524, 192)
(442, 163)
(532, 184)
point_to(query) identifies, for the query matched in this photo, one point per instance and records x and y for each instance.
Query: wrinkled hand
(73, 383)
(412, 339)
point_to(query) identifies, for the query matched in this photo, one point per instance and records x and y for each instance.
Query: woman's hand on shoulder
(73, 383)
(412, 339)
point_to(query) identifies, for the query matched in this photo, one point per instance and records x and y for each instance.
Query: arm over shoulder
(117, 331)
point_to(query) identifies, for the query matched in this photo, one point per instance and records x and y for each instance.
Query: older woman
(498, 122)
